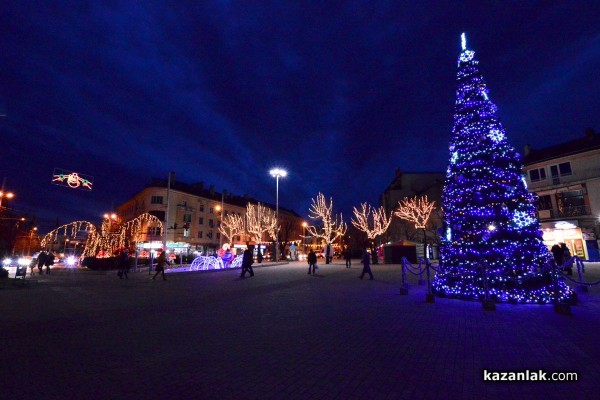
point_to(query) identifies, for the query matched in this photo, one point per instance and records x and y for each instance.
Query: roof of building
(429, 179)
(198, 189)
(591, 141)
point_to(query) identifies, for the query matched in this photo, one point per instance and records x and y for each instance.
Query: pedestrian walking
(161, 261)
(124, 264)
(247, 260)
(312, 261)
(366, 260)
(41, 261)
(557, 253)
(49, 261)
(328, 250)
(566, 257)
(348, 258)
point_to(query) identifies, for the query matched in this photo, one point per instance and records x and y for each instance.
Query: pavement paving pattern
(281, 334)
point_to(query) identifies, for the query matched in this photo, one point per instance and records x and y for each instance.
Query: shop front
(567, 232)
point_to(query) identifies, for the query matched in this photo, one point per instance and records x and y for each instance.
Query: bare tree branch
(381, 221)
(332, 226)
(231, 226)
(260, 220)
(416, 210)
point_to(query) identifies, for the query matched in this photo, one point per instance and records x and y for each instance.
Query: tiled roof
(590, 142)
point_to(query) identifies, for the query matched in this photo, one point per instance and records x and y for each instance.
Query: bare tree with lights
(380, 220)
(416, 210)
(231, 226)
(260, 220)
(332, 227)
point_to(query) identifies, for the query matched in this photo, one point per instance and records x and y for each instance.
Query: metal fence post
(429, 297)
(403, 287)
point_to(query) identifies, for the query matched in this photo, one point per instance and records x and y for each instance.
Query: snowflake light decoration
(454, 157)
(496, 135)
(522, 219)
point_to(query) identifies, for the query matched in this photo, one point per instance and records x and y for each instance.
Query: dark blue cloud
(340, 93)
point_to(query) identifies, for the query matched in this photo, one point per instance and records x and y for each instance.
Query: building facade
(566, 179)
(409, 185)
(194, 217)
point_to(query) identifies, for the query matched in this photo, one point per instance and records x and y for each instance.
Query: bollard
(421, 280)
(581, 288)
(559, 308)
(429, 297)
(404, 287)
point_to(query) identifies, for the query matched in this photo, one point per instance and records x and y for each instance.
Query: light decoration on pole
(260, 220)
(372, 221)
(489, 215)
(231, 226)
(416, 210)
(332, 227)
(73, 180)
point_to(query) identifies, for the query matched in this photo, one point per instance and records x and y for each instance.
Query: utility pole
(166, 227)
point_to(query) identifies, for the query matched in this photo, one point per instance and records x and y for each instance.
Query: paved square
(280, 335)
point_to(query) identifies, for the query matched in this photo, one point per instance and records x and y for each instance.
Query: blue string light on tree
(489, 215)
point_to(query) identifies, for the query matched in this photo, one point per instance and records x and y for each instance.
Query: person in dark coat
(557, 252)
(124, 264)
(312, 261)
(366, 260)
(328, 254)
(161, 261)
(41, 261)
(247, 260)
(348, 258)
(566, 257)
(49, 260)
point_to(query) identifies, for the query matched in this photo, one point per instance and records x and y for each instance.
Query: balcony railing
(571, 211)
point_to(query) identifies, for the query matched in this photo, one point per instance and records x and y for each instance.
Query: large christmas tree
(489, 215)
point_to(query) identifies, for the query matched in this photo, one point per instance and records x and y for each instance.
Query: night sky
(340, 94)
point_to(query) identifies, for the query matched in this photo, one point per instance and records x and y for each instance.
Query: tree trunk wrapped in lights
(260, 220)
(332, 226)
(232, 226)
(372, 221)
(489, 216)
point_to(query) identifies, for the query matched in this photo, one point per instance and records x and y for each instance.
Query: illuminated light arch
(104, 241)
(203, 263)
(71, 229)
(134, 227)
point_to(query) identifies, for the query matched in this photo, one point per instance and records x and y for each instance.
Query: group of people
(366, 262)
(44, 259)
(562, 254)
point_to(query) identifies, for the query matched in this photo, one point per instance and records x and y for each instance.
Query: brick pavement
(281, 334)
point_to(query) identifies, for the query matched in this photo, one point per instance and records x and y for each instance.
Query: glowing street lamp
(304, 225)
(8, 195)
(219, 209)
(277, 173)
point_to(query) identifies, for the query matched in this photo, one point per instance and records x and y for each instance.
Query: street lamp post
(219, 209)
(277, 173)
(30, 238)
(8, 195)
(304, 225)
